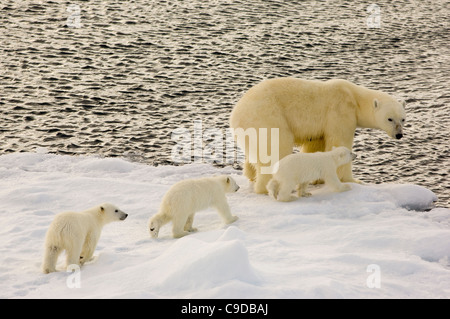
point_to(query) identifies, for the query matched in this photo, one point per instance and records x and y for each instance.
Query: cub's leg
(188, 227)
(51, 257)
(224, 210)
(301, 190)
(178, 225)
(88, 248)
(285, 191)
(73, 254)
(273, 188)
(333, 181)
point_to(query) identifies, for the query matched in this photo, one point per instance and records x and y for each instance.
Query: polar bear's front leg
(345, 174)
(332, 180)
(178, 226)
(73, 254)
(261, 182)
(88, 249)
(285, 192)
(178, 232)
(301, 190)
(188, 227)
(224, 211)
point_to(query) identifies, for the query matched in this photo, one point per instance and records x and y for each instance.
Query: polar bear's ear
(404, 104)
(228, 180)
(102, 209)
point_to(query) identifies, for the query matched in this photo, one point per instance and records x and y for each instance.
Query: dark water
(115, 78)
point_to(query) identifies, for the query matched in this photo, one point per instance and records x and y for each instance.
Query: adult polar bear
(314, 114)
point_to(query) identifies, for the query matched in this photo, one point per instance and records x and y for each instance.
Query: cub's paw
(233, 219)
(180, 234)
(305, 194)
(289, 198)
(345, 187)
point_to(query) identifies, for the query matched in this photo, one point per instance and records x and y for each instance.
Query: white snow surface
(374, 241)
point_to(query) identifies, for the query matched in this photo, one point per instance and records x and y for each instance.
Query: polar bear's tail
(273, 188)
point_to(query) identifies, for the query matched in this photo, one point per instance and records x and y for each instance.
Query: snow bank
(375, 241)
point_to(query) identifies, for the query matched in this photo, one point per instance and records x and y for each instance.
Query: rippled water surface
(115, 78)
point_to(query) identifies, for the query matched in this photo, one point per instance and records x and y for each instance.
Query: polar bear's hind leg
(50, 259)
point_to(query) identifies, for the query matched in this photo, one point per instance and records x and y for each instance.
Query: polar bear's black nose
(398, 136)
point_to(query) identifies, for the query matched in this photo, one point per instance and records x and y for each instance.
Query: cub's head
(390, 116)
(230, 184)
(154, 225)
(342, 155)
(111, 213)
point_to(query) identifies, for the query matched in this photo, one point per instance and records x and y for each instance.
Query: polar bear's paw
(344, 188)
(289, 198)
(233, 219)
(306, 194)
(180, 234)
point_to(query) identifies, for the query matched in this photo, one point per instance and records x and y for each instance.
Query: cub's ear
(228, 180)
(102, 209)
(376, 104)
(404, 104)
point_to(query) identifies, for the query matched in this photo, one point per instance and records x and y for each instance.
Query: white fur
(187, 197)
(315, 115)
(298, 170)
(78, 234)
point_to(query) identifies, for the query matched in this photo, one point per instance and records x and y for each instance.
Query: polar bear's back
(298, 104)
(193, 194)
(305, 166)
(67, 226)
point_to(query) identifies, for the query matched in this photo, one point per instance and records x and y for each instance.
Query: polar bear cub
(77, 233)
(187, 197)
(300, 169)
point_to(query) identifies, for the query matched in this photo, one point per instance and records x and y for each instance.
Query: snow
(375, 241)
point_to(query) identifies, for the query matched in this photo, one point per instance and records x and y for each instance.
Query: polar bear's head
(390, 116)
(342, 155)
(230, 184)
(154, 225)
(111, 213)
